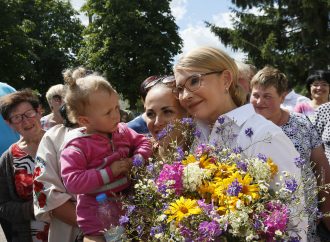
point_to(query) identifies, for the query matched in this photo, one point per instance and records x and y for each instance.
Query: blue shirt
(138, 125)
(8, 135)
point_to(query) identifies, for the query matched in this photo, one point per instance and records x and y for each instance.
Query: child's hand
(121, 167)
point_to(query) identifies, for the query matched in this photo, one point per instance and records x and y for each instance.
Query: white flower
(161, 218)
(278, 233)
(259, 170)
(193, 176)
(159, 235)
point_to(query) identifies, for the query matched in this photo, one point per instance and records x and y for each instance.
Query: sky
(190, 16)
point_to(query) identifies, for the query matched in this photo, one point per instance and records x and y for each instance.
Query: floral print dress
(304, 136)
(23, 171)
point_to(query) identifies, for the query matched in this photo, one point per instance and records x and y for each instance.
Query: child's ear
(83, 121)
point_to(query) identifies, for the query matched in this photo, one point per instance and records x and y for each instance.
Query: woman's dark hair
(318, 75)
(143, 89)
(10, 101)
(66, 121)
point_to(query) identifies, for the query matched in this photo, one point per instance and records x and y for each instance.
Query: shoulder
(5, 89)
(76, 137)
(261, 125)
(324, 108)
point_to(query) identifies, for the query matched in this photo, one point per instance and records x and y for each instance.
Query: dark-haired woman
(317, 85)
(22, 112)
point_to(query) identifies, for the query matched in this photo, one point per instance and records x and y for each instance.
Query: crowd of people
(52, 167)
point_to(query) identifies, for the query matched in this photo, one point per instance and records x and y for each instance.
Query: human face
(320, 90)
(266, 101)
(210, 100)
(102, 113)
(161, 108)
(56, 102)
(30, 125)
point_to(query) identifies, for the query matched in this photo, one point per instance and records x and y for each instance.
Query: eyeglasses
(16, 119)
(320, 84)
(192, 83)
(164, 80)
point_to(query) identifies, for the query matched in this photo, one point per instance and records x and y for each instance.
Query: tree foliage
(38, 39)
(129, 40)
(292, 35)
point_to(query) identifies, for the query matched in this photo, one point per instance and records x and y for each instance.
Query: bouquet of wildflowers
(212, 194)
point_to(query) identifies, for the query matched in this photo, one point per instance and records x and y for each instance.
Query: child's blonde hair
(80, 84)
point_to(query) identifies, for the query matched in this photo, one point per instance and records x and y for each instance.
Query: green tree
(39, 38)
(290, 35)
(129, 40)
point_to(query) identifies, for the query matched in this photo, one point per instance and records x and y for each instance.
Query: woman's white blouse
(245, 129)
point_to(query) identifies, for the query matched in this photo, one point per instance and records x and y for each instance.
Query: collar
(241, 114)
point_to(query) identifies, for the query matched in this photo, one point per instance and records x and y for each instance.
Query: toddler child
(97, 157)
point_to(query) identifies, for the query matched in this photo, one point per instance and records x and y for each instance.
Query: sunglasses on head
(165, 80)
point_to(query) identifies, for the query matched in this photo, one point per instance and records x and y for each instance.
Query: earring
(227, 89)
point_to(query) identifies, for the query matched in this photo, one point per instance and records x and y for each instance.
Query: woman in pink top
(97, 157)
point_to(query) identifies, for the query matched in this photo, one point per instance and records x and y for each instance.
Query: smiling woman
(161, 109)
(22, 112)
(218, 101)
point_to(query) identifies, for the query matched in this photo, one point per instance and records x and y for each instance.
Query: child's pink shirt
(85, 167)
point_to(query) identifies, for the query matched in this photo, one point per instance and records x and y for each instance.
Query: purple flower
(130, 209)
(174, 173)
(257, 224)
(165, 131)
(249, 132)
(188, 121)
(262, 157)
(241, 165)
(139, 229)
(180, 153)
(162, 134)
(155, 230)
(197, 133)
(291, 184)
(123, 220)
(237, 150)
(221, 120)
(185, 232)
(206, 207)
(300, 162)
(150, 167)
(137, 160)
(209, 230)
(234, 188)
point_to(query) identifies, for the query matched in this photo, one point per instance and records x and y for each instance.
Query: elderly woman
(161, 109)
(54, 98)
(21, 111)
(269, 87)
(317, 85)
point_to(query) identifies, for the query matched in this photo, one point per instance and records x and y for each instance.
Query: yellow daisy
(224, 170)
(273, 167)
(181, 209)
(190, 159)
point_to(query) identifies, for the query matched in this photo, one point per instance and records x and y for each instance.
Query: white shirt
(267, 139)
(291, 100)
